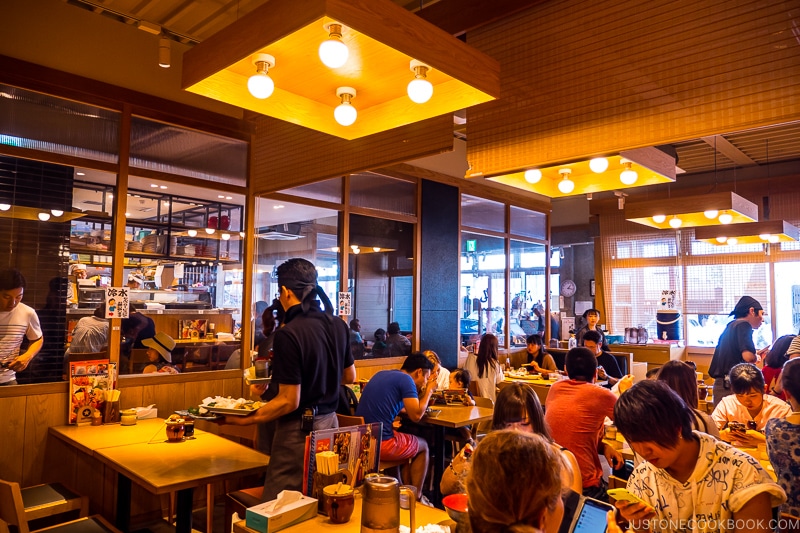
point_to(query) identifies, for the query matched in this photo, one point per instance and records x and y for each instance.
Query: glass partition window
(482, 213)
(292, 230)
(383, 193)
(528, 223)
(326, 191)
(177, 150)
(381, 281)
(483, 287)
(59, 126)
(527, 297)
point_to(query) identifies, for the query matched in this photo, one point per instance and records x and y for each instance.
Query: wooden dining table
(142, 454)
(423, 515)
(450, 416)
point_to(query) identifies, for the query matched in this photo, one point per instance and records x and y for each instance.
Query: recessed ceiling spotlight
(154, 185)
(278, 206)
(229, 197)
(162, 186)
(81, 173)
(220, 196)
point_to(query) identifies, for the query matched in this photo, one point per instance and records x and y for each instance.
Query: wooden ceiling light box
(702, 210)
(749, 233)
(651, 165)
(382, 38)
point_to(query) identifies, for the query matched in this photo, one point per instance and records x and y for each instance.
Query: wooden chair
(483, 428)
(239, 500)
(19, 506)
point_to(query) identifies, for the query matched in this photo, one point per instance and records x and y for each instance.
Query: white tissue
(285, 497)
(430, 528)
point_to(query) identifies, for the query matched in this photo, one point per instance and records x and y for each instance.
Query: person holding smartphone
(688, 480)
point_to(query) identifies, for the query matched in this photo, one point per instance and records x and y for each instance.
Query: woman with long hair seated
(682, 378)
(518, 409)
(515, 484)
(485, 368)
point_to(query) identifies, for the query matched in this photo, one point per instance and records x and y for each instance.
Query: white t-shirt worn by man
(15, 325)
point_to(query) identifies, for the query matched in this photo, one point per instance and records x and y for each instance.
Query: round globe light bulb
(419, 90)
(628, 177)
(725, 218)
(345, 114)
(765, 236)
(333, 53)
(56, 212)
(675, 222)
(260, 85)
(533, 175)
(241, 234)
(192, 232)
(210, 231)
(335, 249)
(732, 241)
(226, 236)
(711, 213)
(566, 185)
(376, 248)
(598, 164)
(722, 240)
(774, 238)
(5, 207)
(44, 217)
(659, 219)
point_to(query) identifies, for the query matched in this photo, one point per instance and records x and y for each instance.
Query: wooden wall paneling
(595, 79)
(12, 420)
(286, 155)
(167, 398)
(131, 397)
(41, 412)
(366, 368)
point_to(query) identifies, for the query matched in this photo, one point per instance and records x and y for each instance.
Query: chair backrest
(559, 357)
(12, 510)
(482, 428)
(138, 360)
(624, 360)
(346, 421)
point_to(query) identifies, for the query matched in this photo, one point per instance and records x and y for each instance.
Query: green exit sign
(471, 244)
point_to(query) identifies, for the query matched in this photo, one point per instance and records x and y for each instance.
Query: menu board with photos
(88, 382)
(359, 449)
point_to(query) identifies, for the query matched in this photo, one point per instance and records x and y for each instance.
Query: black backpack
(348, 402)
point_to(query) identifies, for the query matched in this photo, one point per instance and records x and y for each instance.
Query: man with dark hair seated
(688, 480)
(390, 391)
(607, 367)
(575, 412)
(748, 405)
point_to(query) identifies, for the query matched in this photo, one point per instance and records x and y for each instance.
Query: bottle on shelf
(573, 342)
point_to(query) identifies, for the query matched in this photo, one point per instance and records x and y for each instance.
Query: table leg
(438, 463)
(123, 518)
(183, 514)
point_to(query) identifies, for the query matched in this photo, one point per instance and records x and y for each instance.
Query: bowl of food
(432, 413)
(456, 507)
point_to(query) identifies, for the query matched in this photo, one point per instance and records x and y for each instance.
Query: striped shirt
(15, 325)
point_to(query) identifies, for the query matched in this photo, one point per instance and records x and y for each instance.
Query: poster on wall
(345, 307)
(117, 302)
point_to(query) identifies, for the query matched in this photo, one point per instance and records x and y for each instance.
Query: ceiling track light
(345, 114)
(333, 52)
(628, 176)
(164, 52)
(260, 84)
(419, 89)
(566, 185)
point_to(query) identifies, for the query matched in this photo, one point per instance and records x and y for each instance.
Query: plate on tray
(185, 412)
(229, 411)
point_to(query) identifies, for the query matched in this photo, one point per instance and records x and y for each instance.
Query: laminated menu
(88, 382)
(357, 447)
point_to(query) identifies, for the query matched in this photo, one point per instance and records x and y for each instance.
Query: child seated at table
(459, 379)
(159, 352)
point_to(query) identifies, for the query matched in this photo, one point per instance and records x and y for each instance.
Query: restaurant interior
(126, 145)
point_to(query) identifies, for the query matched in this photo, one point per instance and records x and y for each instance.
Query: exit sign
(471, 243)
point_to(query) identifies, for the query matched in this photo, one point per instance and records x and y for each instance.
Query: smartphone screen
(592, 518)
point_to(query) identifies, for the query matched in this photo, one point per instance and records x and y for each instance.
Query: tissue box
(260, 519)
(143, 413)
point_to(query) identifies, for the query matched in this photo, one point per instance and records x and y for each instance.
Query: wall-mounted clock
(568, 288)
